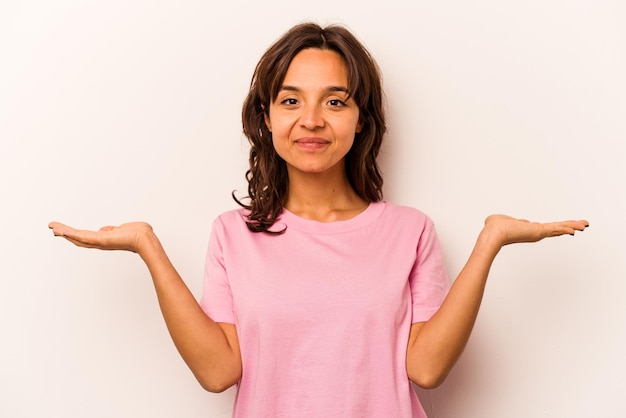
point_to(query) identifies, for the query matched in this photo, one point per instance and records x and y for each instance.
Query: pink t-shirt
(323, 311)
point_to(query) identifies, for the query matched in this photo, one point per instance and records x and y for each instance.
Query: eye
(289, 101)
(336, 103)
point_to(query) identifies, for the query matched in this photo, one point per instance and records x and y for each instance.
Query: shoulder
(403, 213)
(399, 221)
(231, 222)
(231, 217)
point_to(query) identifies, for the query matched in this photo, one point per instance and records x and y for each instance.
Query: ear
(359, 127)
(267, 121)
(266, 118)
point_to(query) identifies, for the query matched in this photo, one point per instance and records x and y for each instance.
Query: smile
(311, 144)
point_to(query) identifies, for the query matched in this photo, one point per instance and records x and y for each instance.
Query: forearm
(211, 350)
(211, 354)
(435, 346)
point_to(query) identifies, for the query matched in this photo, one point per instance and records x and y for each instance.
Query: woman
(321, 299)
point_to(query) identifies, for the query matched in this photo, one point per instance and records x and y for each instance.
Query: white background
(112, 111)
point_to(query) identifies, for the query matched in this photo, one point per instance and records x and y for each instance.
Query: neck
(324, 197)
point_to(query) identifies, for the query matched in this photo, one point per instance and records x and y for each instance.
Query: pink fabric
(323, 311)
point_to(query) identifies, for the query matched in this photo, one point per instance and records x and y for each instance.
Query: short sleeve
(429, 279)
(217, 298)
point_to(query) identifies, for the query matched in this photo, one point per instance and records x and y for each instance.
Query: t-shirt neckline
(291, 220)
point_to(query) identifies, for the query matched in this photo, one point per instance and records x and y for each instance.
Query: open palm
(128, 236)
(511, 230)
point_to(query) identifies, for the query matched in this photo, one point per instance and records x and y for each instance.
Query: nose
(312, 117)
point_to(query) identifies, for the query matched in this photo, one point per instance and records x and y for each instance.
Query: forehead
(317, 66)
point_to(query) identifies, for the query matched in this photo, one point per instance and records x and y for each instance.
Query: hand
(130, 236)
(509, 230)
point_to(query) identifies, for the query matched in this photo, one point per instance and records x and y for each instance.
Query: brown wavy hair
(267, 177)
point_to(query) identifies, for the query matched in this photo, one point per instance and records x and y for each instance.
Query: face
(313, 123)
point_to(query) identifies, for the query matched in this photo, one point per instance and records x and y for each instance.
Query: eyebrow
(329, 88)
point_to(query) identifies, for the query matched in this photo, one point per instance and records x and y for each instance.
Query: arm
(210, 349)
(434, 346)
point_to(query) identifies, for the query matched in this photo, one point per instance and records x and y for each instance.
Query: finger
(567, 227)
(91, 238)
(58, 228)
(80, 237)
(83, 244)
(578, 225)
(583, 224)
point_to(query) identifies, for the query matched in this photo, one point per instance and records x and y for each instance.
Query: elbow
(216, 385)
(429, 383)
(428, 379)
(217, 382)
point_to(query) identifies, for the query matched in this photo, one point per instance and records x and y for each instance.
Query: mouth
(311, 143)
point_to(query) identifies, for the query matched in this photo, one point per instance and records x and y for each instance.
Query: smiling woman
(313, 113)
(354, 78)
(313, 122)
(320, 298)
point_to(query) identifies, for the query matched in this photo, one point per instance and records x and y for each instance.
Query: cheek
(278, 142)
(352, 128)
(277, 123)
(280, 148)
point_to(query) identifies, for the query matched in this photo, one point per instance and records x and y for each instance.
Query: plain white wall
(113, 111)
